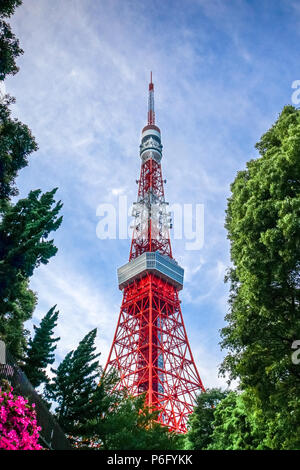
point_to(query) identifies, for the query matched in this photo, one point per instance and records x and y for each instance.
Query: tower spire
(151, 113)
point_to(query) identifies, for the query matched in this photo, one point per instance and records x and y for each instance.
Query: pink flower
(18, 425)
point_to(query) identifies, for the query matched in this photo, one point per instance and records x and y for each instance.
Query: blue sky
(222, 70)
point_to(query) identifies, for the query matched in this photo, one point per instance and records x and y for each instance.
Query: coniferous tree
(95, 414)
(40, 351)
(74, 386)
(24, 230)
(25, 225)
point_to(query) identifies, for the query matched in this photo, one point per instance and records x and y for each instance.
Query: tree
(262, 221)
(131, 425)
(16, 144)
(92, 429)
(74, 387)
(94, 413)
(9, 44)
(24, 230)
(40, 350)
(16, 140)
(200, 425)
(238, 425)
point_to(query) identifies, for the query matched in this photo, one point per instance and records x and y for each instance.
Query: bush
(18, 424)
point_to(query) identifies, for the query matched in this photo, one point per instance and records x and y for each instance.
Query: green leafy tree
(200, 425)
(131, 425)
(40, 350)
(238, 424)
(263, 220)
(9, 44)
(282, 426)
(16, 144)
(16, 140)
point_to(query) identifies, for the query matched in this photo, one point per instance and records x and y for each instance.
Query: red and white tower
(150, 348)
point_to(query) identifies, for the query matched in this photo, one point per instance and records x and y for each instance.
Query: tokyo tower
(150, 347)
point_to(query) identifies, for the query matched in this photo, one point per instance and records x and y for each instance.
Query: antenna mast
(151, 113)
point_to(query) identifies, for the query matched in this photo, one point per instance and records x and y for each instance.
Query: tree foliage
(24, 230)
(9, 44)
(200, 425)
(132, 425)
(74, 387)
(263, 220)
(238, 424)
(95, 414)
(40, 350)
(16, 144)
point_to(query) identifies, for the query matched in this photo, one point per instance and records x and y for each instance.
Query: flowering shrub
(18, 425)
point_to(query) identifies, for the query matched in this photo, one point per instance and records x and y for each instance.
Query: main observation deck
(162, 265)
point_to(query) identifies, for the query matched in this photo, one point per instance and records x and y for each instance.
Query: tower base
(152, 353)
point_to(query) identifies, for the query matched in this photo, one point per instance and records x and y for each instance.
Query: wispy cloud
(83, 305)
(82, 89)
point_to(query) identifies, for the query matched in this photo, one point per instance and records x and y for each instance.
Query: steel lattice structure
(150, 348)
